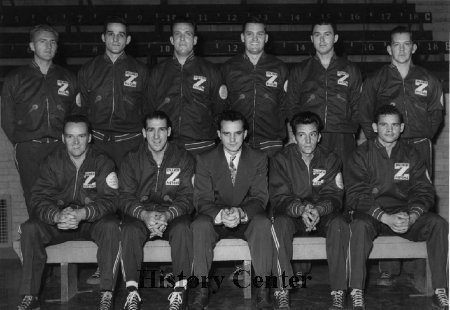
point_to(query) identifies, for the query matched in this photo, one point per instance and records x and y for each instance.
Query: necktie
(233, 169)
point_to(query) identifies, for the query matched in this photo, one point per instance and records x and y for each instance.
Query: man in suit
(230, 196)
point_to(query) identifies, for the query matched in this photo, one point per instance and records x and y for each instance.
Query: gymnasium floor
(228, 296)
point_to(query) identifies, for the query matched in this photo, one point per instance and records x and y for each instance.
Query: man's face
(388, 129)
(115, 38)
(401, 48)
(157, 133)
(44, 45)
(76, 137)
(323, 39)
(254, 38)
(307, 136)
(183, 39)
(232, 135)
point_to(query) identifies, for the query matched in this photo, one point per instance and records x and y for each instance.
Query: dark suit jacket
(214, 191)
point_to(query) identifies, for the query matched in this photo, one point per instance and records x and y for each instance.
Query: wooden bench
(69, 254)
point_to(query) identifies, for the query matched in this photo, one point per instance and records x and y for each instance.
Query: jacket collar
(35, 66)
(120, 58)
(188, 59)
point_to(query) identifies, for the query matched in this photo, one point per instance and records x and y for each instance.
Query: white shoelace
(105, 302)
(26, 302)
(282, 297)
(442, 296)
(175, 300)
(357, 298)
(132, 302)
(337, 298)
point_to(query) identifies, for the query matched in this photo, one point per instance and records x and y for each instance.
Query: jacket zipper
(157, 178)
(181, 102)
(326, 100)
(76, 180)
(48, 106)
(113, 99)
(48, 114)
(254, 110)
(404, 102)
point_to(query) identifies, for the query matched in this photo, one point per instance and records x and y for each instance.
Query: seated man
(230, 196)
(389, 192)
(306, 190)
(74, 198)
(156, 199)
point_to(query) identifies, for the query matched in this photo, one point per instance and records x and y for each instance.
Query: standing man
(74, 198)
(306, 190)
(156, 198)
(330, 87)
(230, 196)
(389, 192)
(114, 93)
(35, 99)
(256, 84)
(189, 90)
(417, 94)
(114, 96)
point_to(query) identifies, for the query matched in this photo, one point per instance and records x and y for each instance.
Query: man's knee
(131, 229)
(361, 226)
(260, 222)
(436, 221)
(338, 225)
(180, 228)
(31, 228)
(284, 224)
(202, 224)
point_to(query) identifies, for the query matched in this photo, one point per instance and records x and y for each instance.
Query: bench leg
(248, 279)
(69, 281)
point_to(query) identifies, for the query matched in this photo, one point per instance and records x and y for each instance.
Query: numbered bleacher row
(213, 14)
(219, 30)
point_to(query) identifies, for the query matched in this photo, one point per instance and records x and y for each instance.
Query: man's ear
(374, 127)
(402, 127)
(169, 131)
(389, 50)
(245, 134)
(218, 134)
(89, 138)
(103, 38)
(336, 38)
(128, 40)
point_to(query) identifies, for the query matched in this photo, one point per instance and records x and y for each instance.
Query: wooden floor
(316, 295)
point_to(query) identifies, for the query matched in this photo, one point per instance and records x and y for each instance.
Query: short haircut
(320, 20)
(305, 118)
(43, 27)
(387, 109)
(232, 116)
(76, 118)
(156, 115)
(253, 20)
(183, 20)
(401, 29)
(115, 20)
